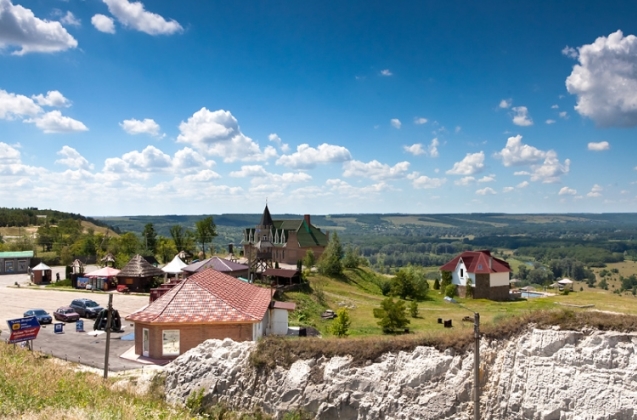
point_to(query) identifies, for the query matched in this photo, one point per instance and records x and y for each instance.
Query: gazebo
(174, 267)
(108, 273)
(41, 274)
(138, 274)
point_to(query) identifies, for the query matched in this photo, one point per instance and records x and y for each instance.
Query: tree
(451, 290)
(166, 249)
(436, 284)
(309, 260)
(149, 237)
(392, 316)
(446, 280)
(352, 257)
(205, 232)
(410, 282)
(340, 325)
(177, 233)
(413, 309)
(330, 262)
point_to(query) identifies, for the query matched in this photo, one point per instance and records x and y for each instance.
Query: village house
(486, 275)
(207, 305)
(283, 241)
(17, 262)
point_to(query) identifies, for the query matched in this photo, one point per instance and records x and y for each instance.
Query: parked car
(42, 315)
(66, 314)
(86, 308)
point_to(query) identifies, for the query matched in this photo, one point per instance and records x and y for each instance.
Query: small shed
(282, 276)
(138, 274)
(41, 274)
(15, 262)
(565, 284)
(108, 259)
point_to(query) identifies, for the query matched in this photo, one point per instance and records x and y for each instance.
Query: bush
(446, 280)
(410, 282)
(385, 287)
(436, 284)
(451, 290)
(330, 263)
(392, 316)
(340, 325)
(413, 309)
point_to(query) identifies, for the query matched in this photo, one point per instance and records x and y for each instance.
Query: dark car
(42, 315)
(66, 314)
(86, 308)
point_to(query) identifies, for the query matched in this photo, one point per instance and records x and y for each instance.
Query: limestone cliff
(541, 374)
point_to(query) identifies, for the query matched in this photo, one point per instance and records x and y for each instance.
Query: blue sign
(23, 329)
(79, 326)
(58, 328)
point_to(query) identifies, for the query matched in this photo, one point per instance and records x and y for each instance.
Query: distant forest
(14, 217)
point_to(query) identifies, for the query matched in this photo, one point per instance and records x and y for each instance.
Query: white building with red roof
(487, 275)
(206, 305)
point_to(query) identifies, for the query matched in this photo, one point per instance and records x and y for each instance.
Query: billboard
(23, 329)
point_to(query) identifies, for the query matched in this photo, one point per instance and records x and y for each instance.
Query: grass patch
(61, 284)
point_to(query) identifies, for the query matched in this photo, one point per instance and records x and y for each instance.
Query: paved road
(77, 347)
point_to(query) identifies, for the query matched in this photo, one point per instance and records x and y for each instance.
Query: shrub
(451, 290)
(330, 263)
(413, 309)
(436, 284)
(385, 287)
(392, 316)
(410, 282)
(446, 280)
(341, 323)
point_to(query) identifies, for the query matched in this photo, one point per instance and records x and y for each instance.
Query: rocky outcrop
(541, 374)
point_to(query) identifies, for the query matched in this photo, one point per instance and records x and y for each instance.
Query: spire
(266, 219)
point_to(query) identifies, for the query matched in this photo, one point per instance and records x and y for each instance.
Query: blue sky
(113, 107)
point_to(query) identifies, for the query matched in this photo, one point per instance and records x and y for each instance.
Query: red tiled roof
(281, 272)
(478, 262)
(216, 263)
(288, 306)
(207, 297)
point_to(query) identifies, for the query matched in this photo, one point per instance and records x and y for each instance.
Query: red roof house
(486, 275)
(206, 305)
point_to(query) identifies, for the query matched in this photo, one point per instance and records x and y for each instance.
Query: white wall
(499, 279)
(279, 322)
(455, 275)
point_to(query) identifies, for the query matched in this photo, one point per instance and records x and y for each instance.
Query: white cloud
(465, 180)
(73, 159)
(375, 170)
(487, 178)
(471, 164)
(16, 106)
(151, 159)
(217, 133)
(517, 153)
(395, 122)
(423, 182)
(249, 171)
(187, 160)
(135, 16)
(146, 126)
(386, 72)
(567, 191)
(549, 121)
(570, 52)
(55, 122)
(433, 148)
(415, 149)
(596, 191)
(103, 23)
(521, 116)
(605, 80)
(599, 147)
(420, 120)
(486, 191)
(505, 103)
(507, 189)
(9, 155)
(551, 169)
(53, 98)
(563, 115)
(70, 19)
(307, 157)
(522, 184)
(20, 28)
(457, 129)
(555, 106)
(285, 148)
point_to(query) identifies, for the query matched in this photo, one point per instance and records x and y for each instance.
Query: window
(8, 266)
(22, 265)
(462, 272)
(479, 266)
(170, 342)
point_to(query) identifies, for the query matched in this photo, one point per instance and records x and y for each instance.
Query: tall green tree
(410, 282)
(352, 257)
(309, 260)
(149, 238)
(392, 316)
(330, 262)
(177, 233)
(205, 232)
(446, 279)
(166, 249)
(340, 325)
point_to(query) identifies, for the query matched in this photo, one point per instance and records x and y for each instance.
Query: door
(145, 342)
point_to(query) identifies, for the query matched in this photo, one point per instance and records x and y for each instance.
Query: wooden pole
(476, 365)
(108, 333)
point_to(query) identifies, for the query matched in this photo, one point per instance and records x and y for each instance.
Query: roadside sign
(58, 328)
(79, 326)
(23, 329)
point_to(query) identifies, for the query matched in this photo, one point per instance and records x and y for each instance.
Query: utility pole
(108, 333)
(476, 365)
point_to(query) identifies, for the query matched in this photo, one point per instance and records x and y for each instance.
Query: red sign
(23, 329)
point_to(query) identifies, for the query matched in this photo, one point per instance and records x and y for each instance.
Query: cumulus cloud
(471, 164)
(605, 80)
(487, 178)
(134, 15)
(70, 19)
(16, 106)
(420, 120)
(217, 133)
(395, 122)
(285, 148)
(307, 157)
(433, 147)
(53, 98)
(563, 115)
(386, 72)
(517, 153)
(545, 166)
(20, 28)
(188, 160)
(522, 184)
(423, 182)
(415, 149)
(596, 191)
(8, 155)
(551, 169)
(549, 121)
(465, 180)
(567, 191)
(599, 146)
(151, 159)
(73, 159)
(507, 189)
(521, 116)
(375, 170)
(569, 52)
(103, 23)
(486, 191)
(146, 126)
(505, 103)
(55, 122)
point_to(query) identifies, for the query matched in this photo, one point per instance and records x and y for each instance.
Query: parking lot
(71, 345)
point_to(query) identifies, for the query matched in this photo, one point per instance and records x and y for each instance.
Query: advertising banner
(23, 329)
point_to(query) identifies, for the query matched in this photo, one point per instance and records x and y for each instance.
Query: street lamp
(476, 359)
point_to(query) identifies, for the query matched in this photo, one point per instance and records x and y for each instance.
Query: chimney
(491, 262)
(307, 219)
